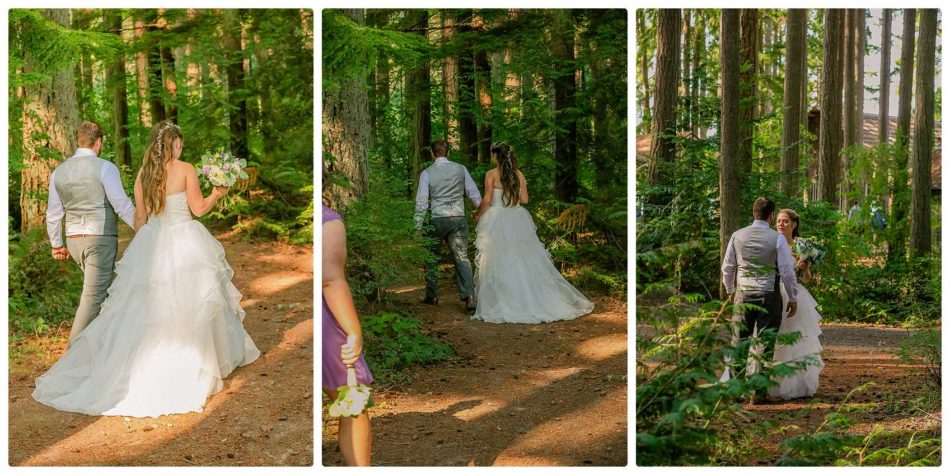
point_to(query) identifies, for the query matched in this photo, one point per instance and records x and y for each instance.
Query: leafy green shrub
(395, 341)
(383, 248)
(922, 348)
(685, 415)
(44, 292)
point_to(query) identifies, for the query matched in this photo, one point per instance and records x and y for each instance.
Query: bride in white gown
(516, 280)
(804, 383)
(171, 328)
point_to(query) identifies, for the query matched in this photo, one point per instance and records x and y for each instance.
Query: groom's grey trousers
(750, 320)
(96, 256)
(454, 231)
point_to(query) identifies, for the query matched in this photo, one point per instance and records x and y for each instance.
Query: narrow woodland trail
(263, 416)
(853, 355)
(541, 395)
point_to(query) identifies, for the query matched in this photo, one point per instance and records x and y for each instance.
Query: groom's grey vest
(757, 258)
(446, 189)
(79, 185)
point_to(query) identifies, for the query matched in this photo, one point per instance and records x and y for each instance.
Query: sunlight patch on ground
(571, 429)
(145, 434)
(602, 347)
(274, 283)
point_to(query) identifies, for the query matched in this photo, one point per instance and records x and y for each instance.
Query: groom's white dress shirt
(786, 264)
(111, 182)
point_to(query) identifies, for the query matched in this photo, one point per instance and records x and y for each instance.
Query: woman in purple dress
(342, 339)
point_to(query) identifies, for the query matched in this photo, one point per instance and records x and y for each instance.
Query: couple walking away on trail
(516, 280)
(161, 337)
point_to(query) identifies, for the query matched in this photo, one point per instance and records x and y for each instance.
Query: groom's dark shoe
(431, 300)
(470, 304)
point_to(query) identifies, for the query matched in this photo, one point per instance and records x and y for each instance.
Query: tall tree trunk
(468, 129)
(602, 143)
(483, 83)
(346, 131)
(50, 118)
(791, 128)
(749, 45)
(850, 98)
(687, 58)
(141, 73)
(860, 26)
(664, 107)
(115, 81)
(806, 106)
(419, 100)
(729, 46)
(699, 45)
(884, 92)
(450, 85)
(237, 97)
(901, 201)
(923, 135)
(565, 101)
(644, 74)
(828, 140)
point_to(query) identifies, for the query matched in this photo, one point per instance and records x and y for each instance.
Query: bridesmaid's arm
(200, 205)
(336, 291)
(141, 215)
(487, 196)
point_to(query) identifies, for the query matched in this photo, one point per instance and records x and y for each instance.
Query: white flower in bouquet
(222, 169)
(351, 401)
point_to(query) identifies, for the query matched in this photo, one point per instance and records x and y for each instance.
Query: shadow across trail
(518, 395)
(262, 416)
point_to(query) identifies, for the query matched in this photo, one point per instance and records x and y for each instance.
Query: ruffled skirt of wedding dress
(804, 383)
(517, 281)
(169, 331)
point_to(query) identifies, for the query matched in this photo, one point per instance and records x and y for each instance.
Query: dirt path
(854, 355)
(542, 395)
(263, 416)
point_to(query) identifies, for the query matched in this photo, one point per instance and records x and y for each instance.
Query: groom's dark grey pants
(454, 231)
(754, 319)
(96, 256)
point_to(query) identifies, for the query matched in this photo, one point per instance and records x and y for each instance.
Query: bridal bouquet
(222, 168)
(352, 399)
(809, 251)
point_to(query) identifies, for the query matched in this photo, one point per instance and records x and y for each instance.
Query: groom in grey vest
(87, 191)
(756, 259)
(443, 187)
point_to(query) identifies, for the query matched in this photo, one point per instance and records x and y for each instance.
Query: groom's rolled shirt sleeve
(471, 190)
(54, 215)
(422, 199)
(116, 194)
(729, 268)
(786, 269)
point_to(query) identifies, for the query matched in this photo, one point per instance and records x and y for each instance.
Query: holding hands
(60, 253)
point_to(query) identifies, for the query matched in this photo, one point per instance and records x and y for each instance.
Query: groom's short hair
(762, 208)
(87, 134)
(440, 148)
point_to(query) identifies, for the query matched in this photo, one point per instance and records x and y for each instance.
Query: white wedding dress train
(517, 281)
(804, 383)
(169, 331)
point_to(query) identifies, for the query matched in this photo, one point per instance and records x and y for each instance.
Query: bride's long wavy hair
(154, 172)
(793, 216)
(508, 168)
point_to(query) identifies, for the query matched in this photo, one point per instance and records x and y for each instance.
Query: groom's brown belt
(89, 235)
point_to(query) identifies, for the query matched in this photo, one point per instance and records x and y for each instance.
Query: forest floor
(899, 401)
(263, 416)
(528, 395)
